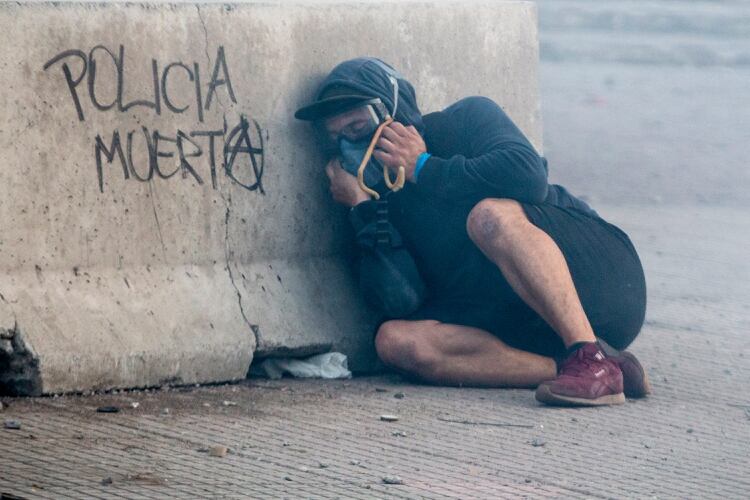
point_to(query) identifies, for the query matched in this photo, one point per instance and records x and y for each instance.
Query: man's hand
(344, 187)
(400, 146)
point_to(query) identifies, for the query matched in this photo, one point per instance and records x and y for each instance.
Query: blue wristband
(421, 160)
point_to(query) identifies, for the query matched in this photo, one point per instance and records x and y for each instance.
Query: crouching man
(488, 275)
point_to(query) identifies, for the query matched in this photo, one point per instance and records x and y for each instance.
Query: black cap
(332, 101)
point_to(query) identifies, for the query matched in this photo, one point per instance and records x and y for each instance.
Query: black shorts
(606, 271)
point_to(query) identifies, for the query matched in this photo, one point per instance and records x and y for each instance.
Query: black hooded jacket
(477, 152)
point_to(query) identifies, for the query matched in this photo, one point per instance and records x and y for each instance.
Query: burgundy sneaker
(587, 378)
(634, 378)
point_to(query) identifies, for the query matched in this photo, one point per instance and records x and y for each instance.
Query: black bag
(388, 275)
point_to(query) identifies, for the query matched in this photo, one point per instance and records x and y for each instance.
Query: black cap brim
(329, 106)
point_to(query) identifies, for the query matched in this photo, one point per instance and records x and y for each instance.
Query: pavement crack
(205, 49)
(156, 217)
(227, 255)
(205, 33)
(227, 201)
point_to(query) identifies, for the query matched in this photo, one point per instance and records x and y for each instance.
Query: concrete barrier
(162, 216)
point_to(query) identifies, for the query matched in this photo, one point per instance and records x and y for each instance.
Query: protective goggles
(355, 124)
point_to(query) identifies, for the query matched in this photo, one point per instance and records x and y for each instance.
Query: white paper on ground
(328, 365)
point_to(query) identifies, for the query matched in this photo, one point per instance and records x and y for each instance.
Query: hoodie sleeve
(499, 161)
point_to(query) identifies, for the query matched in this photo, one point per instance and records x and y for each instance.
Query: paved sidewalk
(314, 439)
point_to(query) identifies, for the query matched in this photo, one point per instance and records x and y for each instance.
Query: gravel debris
(218, 451)
(12, 424)
(392, 480)
(537, 441)
(108, 409)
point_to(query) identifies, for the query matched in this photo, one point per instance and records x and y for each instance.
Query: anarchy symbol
(239, 142)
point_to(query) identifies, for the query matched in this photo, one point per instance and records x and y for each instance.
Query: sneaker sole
(544, 395)
(638, 387)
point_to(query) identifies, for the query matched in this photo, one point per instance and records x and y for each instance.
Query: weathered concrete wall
(162, 216)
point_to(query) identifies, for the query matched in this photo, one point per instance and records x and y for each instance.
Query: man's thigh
(605, 268)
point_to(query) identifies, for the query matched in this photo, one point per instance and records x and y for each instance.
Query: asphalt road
(647, 102)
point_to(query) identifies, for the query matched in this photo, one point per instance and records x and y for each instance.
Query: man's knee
(494, 218)
(406, 349)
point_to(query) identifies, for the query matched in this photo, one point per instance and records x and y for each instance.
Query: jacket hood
(372, 77)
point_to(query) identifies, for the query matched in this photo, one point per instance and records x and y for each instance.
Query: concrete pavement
(316, 439)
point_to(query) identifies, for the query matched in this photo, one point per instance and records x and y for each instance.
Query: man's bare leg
(536, 269)
(533, 265)
(447, 354)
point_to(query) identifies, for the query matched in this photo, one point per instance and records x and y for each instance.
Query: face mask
(353, 149)
(352, 154)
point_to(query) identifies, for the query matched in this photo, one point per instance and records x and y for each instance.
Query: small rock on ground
(218, 451)
(392, 480)
(108, 409)
(12, 424)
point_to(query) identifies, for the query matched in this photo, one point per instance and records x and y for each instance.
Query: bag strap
(382, 234)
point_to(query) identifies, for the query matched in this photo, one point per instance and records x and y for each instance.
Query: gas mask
(355, 143)
(352, 154)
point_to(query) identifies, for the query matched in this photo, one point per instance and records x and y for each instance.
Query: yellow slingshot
(400, 177)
